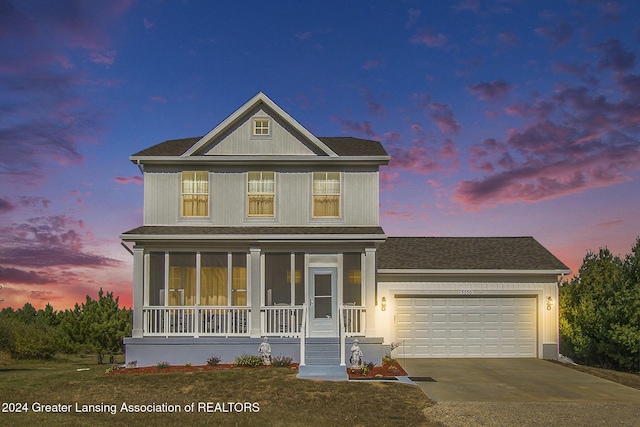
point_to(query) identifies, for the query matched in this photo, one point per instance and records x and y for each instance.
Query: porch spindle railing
(282, 320)
(196, 321)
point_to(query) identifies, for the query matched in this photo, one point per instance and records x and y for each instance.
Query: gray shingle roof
(348, 146)
(342, 146)
(466, 253)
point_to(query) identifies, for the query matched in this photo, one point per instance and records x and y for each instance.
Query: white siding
(228, 193)
(228, 198)
(360, 192)
(161, 198)
(241, 141)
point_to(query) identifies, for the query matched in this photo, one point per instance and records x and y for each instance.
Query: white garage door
(466, 327)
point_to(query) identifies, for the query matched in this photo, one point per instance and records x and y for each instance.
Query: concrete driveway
(512, 380)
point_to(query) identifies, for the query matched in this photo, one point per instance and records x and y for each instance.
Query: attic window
(261, 127)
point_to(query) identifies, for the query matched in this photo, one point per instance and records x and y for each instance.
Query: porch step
(327, 373)
(323, 352)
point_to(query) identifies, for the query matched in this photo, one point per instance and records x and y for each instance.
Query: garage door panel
(467, 326)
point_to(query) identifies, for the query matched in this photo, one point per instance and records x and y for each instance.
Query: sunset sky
(502, 117)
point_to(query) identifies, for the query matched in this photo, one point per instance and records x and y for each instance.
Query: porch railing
(353, 320)
(281, 320)
(196, 321)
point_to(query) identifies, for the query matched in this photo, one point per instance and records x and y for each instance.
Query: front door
(323, 308)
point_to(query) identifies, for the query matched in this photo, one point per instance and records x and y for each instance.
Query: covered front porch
(223, 321)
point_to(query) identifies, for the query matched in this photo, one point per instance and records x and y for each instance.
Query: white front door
(323, 307)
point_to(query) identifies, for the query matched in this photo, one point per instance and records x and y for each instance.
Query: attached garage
(466, 327)
(468, 297)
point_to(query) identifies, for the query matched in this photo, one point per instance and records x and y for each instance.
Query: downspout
(140, 167)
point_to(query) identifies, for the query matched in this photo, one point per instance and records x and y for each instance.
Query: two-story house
(261, 229)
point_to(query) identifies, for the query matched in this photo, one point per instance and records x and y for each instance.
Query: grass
(282, 399)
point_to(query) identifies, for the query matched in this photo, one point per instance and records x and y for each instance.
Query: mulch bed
(200, 368)
(387, 370)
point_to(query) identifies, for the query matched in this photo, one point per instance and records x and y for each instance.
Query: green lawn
(273, 397)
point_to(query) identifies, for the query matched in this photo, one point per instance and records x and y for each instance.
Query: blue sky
(502, 117)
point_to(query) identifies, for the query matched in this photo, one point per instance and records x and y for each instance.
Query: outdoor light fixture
(383, 304)
(549, 303)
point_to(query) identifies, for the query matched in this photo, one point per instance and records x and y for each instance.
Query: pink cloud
(508, 39)
(559, 32)
(159, 99)
(14, 275)
(443, 117)
(399, 212)
(48, 241)
(414, 15)
(428, 37)
(148, 24)
(306, 35)
(372, 64)
(575, 140)
(6, 206)
(359, 128)
(490, 91)
(582, 71)
(129, 180)
(46, 118)
(388, 180)
(615, 56)
(468, 6)
(375, 107)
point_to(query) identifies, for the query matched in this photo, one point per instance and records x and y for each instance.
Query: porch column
(254, 284)
(138, 287)
(369, 282)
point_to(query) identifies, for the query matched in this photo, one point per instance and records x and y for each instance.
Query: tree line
(600, 311)
(95, 326)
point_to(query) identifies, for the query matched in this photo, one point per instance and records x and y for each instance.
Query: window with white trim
(261, 127)
(195, 194)
(326, 194)
(261, 194)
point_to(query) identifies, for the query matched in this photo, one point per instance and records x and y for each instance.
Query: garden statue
(265, 350)
(356, 355)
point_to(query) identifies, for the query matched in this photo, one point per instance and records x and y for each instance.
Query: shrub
(248, 360)
(113, 368)
(188, 364)
(387, 359)
(213, 361)
(28, 341)
(162, 365)
(132, 364)
(281, 361)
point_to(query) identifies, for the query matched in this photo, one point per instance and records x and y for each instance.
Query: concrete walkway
(512, 380)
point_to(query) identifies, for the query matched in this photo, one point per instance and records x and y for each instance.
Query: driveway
(512, 380)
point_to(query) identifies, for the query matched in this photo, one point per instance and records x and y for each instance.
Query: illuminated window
(352, 281)
(261, 127)
(195, 194)
(261, 194)
(326, 194)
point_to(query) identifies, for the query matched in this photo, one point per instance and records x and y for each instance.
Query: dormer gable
(260, 128)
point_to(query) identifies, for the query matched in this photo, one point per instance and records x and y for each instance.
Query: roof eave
(475, 272)
(252, 237)
(294, 159)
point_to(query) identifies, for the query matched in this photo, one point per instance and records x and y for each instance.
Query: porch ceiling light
(549, 303)
(383, 304)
